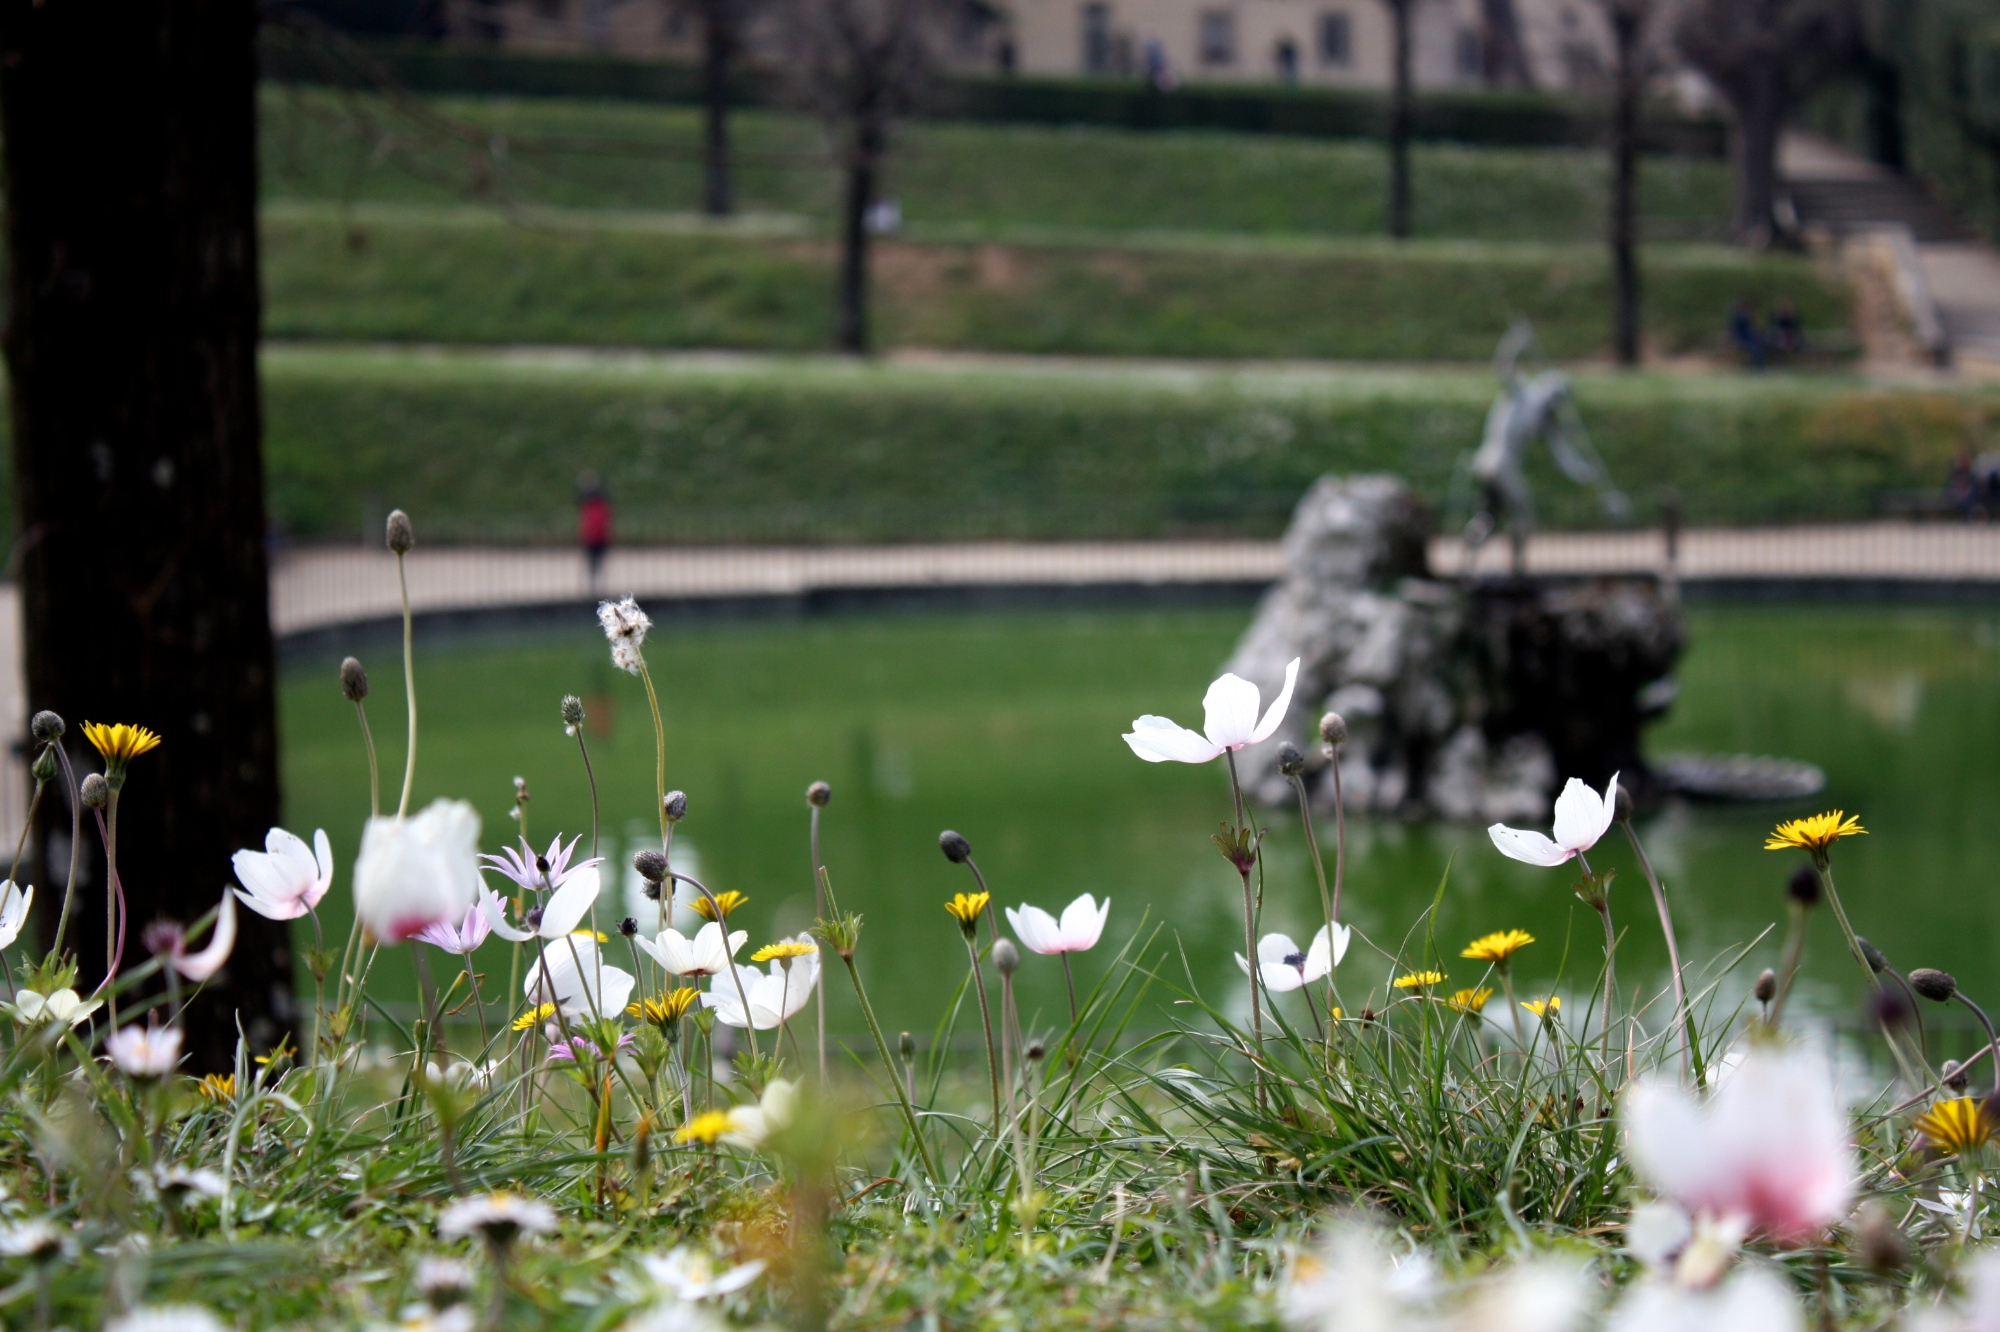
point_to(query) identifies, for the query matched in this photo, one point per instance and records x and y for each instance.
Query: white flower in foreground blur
(1769, 1145)
(1354, 1283)
(1582, 816)
(35, 1239)
(65, 1007)
(674, 1316)
(144, 1052)
(287, 878)
(1537, 1294)
(1750, 1300)
(182, 1183)
(625, 625)
(774, 997)
(702, 955)
(499, 1218)
(1978, 1312)
(442, 1282)
(1078, 931)
(1230, 721)
(416, 872)
(564, 911)
(469, 933)
(687, 1273)
(573, 974)
(751, 1126)
(198, 967)
(167, 1318)
(14, 903)
(1282, 965)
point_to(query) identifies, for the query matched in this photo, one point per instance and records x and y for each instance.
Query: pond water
(1006, 727)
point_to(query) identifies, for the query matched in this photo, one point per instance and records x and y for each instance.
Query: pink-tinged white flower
(625, 625)
(579, 1047)
(65, 1008)
(144, 1052)
(1978, 1312)
(1230, 723)
(550, 869)
(14, 903)
(773, 996)
(687, 1274)
(1282, 965)
(1355, 1282)
(198, 967)
(572, 974)
(470, 932)
(419, 871)
(751, 1126)
(703, 955)
(1750, 1300)
(1078, 931)
(498, 1217)
(1582, 816)
(167, 1318)
(563, 912)
(1769, 1145)
(287, 878)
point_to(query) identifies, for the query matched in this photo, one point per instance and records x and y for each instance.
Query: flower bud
(1290, 761)
(628, 927)
(956, 849)
(1006, 957)
(906, 1045)
(651, 890)
(46, 727)
(675, 803)
(45, 765)
(1879, 1241)
(1621, 803)
(1937, 986)
(1035, 1051)
(652, 866)
(1953, 1075)
(818, 794)
(1872, 955)
(401, 537)
(572, 710)
(353, 680)
(1892, 1007)
(1766, 988)
(96, 791)
(1333, 729)
(1803, 886)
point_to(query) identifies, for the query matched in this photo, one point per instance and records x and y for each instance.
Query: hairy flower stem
(409, 688)
(660, 768)
(1688, 1051)
(1992, 1041)
(374, 767)
(1788, 964)
(1825, 868)
(722, 920)
(1603, 906)
(903, 1098)
(75, 846)
(819, 913)
(986, 1020)
(591, 773)
(1069, 979)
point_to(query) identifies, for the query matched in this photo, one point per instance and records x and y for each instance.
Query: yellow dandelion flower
(1956, 1126)
(283, 1052)
(1544, 1008)
(1815, 833)
(539, 1014)
(218, 1087)
(1498, 946)
(1337, 1014)
(1415, 979)
(1469, 1001)
(666, 1008)
(704, 1128)
(728, 901)
(119, 744)
(965, 909)
(784, 948)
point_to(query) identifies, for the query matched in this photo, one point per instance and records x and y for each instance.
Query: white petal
(1279, 978)
(1277, 712)
(1582, 815)
(14, 904)
(1342, 936)
(567, 904)
(1161, 740)
(1275, 948)
(1530, 848)
(323, 862)
(1230, 711)
(498, 920)
(200, 966)
(1035, 928)
(1319, 957)
(1082, 923)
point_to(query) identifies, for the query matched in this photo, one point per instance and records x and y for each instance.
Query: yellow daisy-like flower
(279, 1055)
(666, 1008)
(1415, 979)
(1498, 946)
(1957, 1126)
(728, 901)
(785, 948)
(1544, 1008)
(218, 1087)
(965, 909)
(704, 1128)
(1815, 833)
(119, 744)
(1469, 1001)
(534, 1016)
(598, 935)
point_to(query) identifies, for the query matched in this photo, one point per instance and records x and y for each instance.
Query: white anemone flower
(287, 878)
(751, 1126)
(572, 974)
(167, 1318)
(35, 1239)
(498, 1217)
(1230, 722)
(565, 910)
(1582, 816)
(198, 967)
(774, 996)
(144, 1052)
(1769, 1147)
(416, 872)
(1078, 931)
(1749, 1300)
(688, 1274)
(703, 955)
(1282, 965)
(14, 903)
(64, 1007)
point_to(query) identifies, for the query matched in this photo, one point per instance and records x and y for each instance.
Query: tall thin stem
(374, 768)
(1249, 925)
(75, 845)
(1673, 947)
(722, 923)
(409, 688)
(659, 760)
(1603, 905)
(591, 773)
(819, 913)
(986, 1020)
(1825, 868)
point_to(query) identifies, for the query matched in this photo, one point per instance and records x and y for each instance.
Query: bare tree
(1401, 95)
(724, 24)
(1628, 20)
(1763, 56)
(861, 65)
(1504, 54)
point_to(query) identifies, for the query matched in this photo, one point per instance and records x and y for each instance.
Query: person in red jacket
(593, 524)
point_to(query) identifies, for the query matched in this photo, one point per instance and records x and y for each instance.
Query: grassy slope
(823, 450)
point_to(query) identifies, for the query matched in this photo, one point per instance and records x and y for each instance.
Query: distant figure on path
(1749, 339)
(593, 524)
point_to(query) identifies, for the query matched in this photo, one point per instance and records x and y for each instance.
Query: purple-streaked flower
(144, 1052)
(415, 872)
(1230, 721)
(579, 1047)
(530, 871)
(1078, 931)
(469, 933)
(1582, 816)
(287, 878)
(1282, 965)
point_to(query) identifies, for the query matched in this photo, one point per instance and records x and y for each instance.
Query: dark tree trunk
(1505, 55)
(1626, 21)
(718, 47)
(131, 352)
(852, 315)
(1760, 117)
(1399, 120)
(1887, 139)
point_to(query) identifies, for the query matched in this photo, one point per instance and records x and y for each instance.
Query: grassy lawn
(487, 445)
